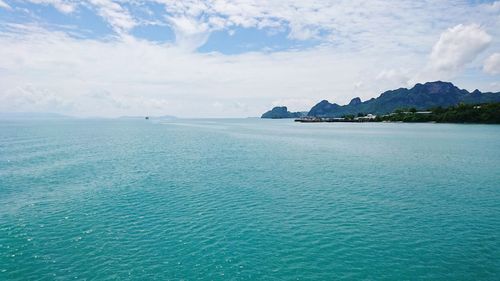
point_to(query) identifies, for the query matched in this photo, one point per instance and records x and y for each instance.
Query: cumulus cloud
(329, 21)
(359, 49)
(492, 64)
(458, 46)
(133, 76)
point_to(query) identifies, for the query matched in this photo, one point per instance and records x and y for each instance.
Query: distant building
(368, 117)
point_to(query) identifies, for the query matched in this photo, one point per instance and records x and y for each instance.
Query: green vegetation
(348, 117)
(462, 113)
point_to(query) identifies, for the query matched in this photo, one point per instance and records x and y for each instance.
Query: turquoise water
(248, 199)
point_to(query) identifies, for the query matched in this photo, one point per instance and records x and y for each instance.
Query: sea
(248, 199)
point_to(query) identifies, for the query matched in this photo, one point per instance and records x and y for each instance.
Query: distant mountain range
(421, 97)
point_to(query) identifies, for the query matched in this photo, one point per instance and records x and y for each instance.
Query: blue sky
(235, 58)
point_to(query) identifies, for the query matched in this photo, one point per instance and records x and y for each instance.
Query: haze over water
(247, 199)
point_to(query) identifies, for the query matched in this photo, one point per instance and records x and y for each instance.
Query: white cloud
(189, 33)
(29, 98)
(111, 11)
(494, 87)
(354, 23)
(394, 76)
(458, 46)
(61, 5)
(493, 7)
(117, 16)
(300, 32)
(295, 104)
(137, 77)
(338, 22)
(363, 51)
(4, 5)
(492, 64)
(127, 76)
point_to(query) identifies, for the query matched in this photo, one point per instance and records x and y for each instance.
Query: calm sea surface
(248, 199)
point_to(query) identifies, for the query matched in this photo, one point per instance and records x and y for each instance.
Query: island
(281, 112)
(488, 113)
(429, 102)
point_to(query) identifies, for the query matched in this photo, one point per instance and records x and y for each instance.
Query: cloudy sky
(235, 58)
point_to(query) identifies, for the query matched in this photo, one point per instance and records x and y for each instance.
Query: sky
(235, 58)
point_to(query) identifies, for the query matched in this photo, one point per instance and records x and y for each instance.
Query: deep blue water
(248, 199)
